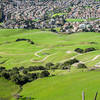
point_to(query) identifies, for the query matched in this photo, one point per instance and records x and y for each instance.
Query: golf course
(38, 47)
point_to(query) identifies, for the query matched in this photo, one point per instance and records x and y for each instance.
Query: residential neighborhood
(47, 14)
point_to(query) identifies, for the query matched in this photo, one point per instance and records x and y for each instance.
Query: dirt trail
(95, 57)
(70, 58)
(36, 53)
(42, 59)
(4, 53)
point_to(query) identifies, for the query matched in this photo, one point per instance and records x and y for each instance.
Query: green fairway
(7, 89)
(48, 47)
(64, 87)
(55, 48)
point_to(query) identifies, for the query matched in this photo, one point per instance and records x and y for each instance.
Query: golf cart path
(42, 59)
(36, 53)
(4, 53)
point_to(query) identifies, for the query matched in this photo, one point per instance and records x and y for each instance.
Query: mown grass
(66, 87)
(7, 89)
(22, 53)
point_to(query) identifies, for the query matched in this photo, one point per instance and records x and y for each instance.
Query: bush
(28, 40)
(53, 30)
(81, 65)
(70, 62)
(25, 71)
(89, 49)
(34, 68)
(78, 50)
(57, 65)
(65, 67)
(5, 75)
(2, 68)
(21, 79)
(21, 68)
(44, 74)
(49, 65)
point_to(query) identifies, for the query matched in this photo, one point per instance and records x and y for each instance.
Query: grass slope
(7, 89)
(55, 45)
(64, 87)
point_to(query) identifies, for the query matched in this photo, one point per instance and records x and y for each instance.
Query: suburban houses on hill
(46, 13)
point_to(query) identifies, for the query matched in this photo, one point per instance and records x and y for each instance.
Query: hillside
(7, 89)
(33, 48)
(65, 86)
(47, 47)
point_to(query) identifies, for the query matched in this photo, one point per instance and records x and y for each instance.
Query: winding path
(4, 53)
(42, 59)
(36, 53)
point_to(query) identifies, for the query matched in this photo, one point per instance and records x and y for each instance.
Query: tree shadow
(27, 98)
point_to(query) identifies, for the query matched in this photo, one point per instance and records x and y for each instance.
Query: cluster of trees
(65, 65)
(79, 50)
(28, 40)
(22, 75)
(80, 65)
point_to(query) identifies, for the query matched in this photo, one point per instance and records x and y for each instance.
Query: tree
(2, 68)
(5, 75)
(78, 50)
(80, 65)
(49, 65)
(0, 15)
(44, 74)
(89, 49)
(25, 71)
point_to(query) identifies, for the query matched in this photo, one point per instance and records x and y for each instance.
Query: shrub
(49, 65)
(33, 68)
(89, 49)
(80, 65)
(2, 68)
(25, 71)
(21, 68)
(28, 40)
(44, 74)
(5, 75)
(70, 62)
(78, 50)
(57, 65)
(65, 67)
(53, 30)
(15, 69)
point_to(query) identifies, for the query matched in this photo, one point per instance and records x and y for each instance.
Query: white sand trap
(68, 51)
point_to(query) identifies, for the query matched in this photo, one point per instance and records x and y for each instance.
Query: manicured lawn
(55, 45)
(7, 89)
(64, 87)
